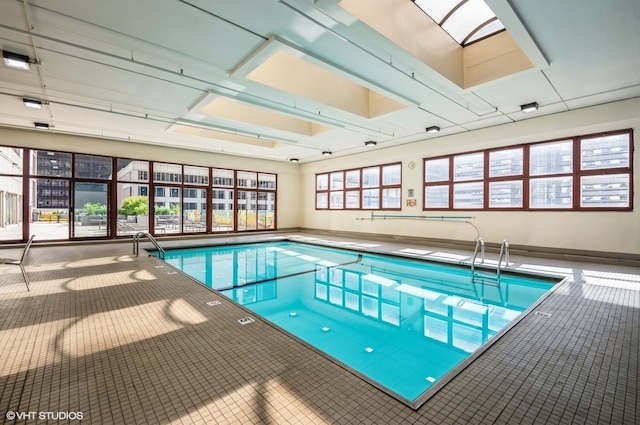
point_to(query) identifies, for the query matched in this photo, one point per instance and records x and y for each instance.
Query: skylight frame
(466, 21)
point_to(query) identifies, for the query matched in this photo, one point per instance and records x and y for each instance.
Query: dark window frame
(340, 193)
(576, 174)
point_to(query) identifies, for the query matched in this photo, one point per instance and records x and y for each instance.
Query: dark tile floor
(116, 338)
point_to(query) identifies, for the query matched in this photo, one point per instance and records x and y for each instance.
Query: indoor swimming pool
(402, 324)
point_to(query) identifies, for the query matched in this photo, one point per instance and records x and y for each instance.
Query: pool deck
(122, 339)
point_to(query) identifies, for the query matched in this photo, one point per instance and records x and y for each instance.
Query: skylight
(465, 21)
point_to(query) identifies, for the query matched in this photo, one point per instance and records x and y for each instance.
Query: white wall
(591, 231)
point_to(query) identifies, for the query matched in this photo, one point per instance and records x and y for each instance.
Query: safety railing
(504, 255)
(478, 250)
(136, 243)
(465, 219)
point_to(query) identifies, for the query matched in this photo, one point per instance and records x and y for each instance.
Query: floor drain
(214, 302)
(245, 320)
(542, 313)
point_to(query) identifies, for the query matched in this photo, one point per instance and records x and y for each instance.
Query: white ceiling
(137, 70)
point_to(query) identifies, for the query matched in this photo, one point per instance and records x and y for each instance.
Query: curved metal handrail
(136, 243)
(504, 254)
(479, 248)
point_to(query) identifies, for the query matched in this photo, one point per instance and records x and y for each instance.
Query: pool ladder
(136, 243)
(479, 249)
(504, 256)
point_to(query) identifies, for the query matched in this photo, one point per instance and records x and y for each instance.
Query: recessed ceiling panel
(223, 136)
(302, 78)
(228, 109)
(281, 66)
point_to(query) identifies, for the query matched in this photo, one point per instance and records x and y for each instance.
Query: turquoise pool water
(401, 323)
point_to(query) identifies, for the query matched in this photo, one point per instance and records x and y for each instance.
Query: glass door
(49, 209)
(91, 218)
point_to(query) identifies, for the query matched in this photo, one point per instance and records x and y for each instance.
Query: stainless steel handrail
(479, 247)
(136, 243)
(504, 254)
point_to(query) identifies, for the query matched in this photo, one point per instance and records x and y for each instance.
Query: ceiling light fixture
(432, 129)
(31, 103)
(294, 160)
(326, 153)
(41, 125)
(15, 60)
(370, 143)
(529, 107)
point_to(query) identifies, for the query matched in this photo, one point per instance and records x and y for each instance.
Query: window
(184, 196)
(371, 177)
(51, 164)
(578, 173)
(170, 173)
(391, 175)
(337, 200)
(376, 187)
(551, 158)
(322, 182)
(322, 200)
(352, 199)
(92, 167)
(223, 177)
(436, 196)
(605, 179)
(551, 192)
(468, 168)
(370, 199)
(132, 171)
(266, 181)
(256, 203)
(436, 170)
(505, 194)
(610, 190)
(506, 162)
(506, 170)
(196, 175)
(352, 179)
(468, 195)
(247, 179)
(337, 181)
(190, 193)
(465, 21)
(391, 198)
(604, 152)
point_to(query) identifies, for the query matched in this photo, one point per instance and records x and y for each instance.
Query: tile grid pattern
(121, 340)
